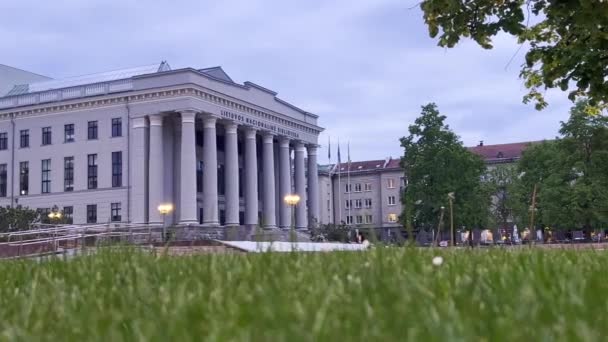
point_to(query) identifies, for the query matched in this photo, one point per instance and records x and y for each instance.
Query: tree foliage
(436, 163)
(570, 173)
(17, 218)
(568, 40)
(499, 181)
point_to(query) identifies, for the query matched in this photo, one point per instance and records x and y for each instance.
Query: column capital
(156, 119)
(299, 146)
(188, 116)
(250, 132)
(267, 137)
(284, 142)
(312, 150)
(209, 122)
(230, 127)
(140, 122)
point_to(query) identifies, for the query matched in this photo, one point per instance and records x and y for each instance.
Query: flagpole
(339, 188)
(350, 190)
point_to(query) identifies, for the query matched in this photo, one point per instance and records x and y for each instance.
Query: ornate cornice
(133, 98)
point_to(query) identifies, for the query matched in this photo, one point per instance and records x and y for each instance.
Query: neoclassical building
(112, 147)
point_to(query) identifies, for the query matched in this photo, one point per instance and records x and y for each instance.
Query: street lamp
(451, 198)
(292, 200)
(55, 213)
(165, 209)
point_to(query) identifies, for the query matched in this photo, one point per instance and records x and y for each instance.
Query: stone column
(232, 175)
(251, 178)
(156, 180)
(269, 216)
(139, 204)
(187, 202)
(300, 180)
(284, 183)
(210, 210)
(313, 186)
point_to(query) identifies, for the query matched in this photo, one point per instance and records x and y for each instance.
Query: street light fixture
(292, 200)
(55, 213)
(165, 209)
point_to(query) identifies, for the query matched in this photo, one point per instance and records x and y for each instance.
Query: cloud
(365, 67)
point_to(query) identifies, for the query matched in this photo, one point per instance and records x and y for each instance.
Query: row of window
(68, 134)
(367, 202)
(68, 174)
(390, 184)
(392, 218)
(68, 212)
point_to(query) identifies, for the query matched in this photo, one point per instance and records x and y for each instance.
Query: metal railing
(58, 239)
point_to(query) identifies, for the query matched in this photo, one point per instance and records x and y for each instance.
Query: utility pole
(532, 209)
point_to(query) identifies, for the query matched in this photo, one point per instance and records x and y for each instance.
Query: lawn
(386, 294)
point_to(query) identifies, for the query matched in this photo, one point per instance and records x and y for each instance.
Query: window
(3, 180)
(115, 212)
(328, 208)
(199, 176)
(348, 204)
(92, 213)
(391, 200)
(68, 174)
(68, 133)
(92, 171)
(68, 214)
(117, 127)
(46, 135)
(390, 183)
(46, 176)
(357, 204)
(368, 187)
(116, 169)
(368, 202)
(349, 220)
(24, 138)
(392, 218)
(24, 178)
(348, 188)
(3, 141)
(92, 130)
(359, 219)
(358, 187)
(368, 219)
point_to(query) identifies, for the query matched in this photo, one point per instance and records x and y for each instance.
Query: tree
(436, 163)
(568, 40)
(570, 173)
(17, 218)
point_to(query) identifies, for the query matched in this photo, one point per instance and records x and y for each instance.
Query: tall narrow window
(92, 130)
(46, 176)
(199, 176)
(3, 180)
(3, 141)
(115, 209)
(92, 171)
(391, 200)
(46, 135)
(68, 213)
(68, 174)
(24, 178)
(392, 218)
(24, 138)
(68, 132)
(92, 213)
(390, 183)
(117, 127)
(358, 187)
(116, 169)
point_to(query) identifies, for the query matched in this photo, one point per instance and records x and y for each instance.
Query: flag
(348, 152)
(339, 158)
(329, 149)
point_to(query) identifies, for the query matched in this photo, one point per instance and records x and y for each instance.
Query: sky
(364, 66)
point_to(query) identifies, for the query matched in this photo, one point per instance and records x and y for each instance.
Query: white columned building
(122, 143)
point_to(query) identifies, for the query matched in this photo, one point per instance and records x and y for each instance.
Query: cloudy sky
(364, 66)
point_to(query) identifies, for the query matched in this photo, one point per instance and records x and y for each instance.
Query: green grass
(386, 294)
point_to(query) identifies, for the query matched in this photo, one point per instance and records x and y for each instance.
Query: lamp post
(292, 200)
(165, 209)
(451, 198)
(439, 226)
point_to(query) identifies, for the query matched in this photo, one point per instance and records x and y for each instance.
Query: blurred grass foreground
(387, 294)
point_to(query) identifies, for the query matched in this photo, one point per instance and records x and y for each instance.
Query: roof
(10, 76)
(388, 164)
(218, 73)
(501, 152)
(88, 79)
